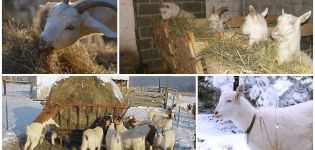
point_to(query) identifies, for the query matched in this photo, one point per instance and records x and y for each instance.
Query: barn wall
(127, 27)
(145, 9)
(235, 6)
(295, 7)
(240, 7)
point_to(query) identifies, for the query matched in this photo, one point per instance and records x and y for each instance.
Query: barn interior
(138, 50)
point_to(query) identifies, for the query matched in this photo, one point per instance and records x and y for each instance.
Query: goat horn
(85, 5)
(123, 114)
(66, 1)
(212, 10)
(162, 3)
(221, 10)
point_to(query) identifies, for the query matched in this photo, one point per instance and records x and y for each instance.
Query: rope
(263, 126)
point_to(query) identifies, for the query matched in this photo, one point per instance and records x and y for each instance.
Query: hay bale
(228, 52)
(21, 54)
(82, 91)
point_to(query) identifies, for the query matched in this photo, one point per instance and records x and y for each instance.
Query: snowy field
(186, 126)
(21, 112)
(219, 135)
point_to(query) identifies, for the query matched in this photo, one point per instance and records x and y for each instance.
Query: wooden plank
(238, 21)
(307, 29)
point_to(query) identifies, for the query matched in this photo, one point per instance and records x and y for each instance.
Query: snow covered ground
(219, 135)
(21, 112)
(186, 126)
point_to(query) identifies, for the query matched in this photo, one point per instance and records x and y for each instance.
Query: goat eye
(229, 101)
(69, 27)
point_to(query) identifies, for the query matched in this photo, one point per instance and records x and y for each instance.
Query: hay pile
(82, 90)
(22, 56)
(228, 52)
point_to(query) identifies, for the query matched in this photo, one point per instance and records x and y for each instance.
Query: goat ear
(283, 12)
(212, 10)
(252, 10)
(239, 92)
(264, 14)
(98, 26)
(304, 17)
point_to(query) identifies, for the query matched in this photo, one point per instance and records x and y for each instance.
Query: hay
(21, 54)
(228, 52)
(82, 90)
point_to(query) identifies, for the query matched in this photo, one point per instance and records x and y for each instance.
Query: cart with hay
(84, 101)
(193, 48)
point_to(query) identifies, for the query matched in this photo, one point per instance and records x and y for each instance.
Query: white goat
(34, 132)
(135, 138)
(152, 113)
(119, 124)
(295, 123)
(255, 26)
(165, 139)
(68, 22)
(171, 10)
(215, 20)
(288, 34)
(181, 105)
(162, 121)
(132, 122)
(92, 138)
(113, 139)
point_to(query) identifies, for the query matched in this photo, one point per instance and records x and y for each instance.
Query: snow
(267, 91)
(186, 127)
(21, 111)
(45, 83)
(224, 83)
(282, 86)
(217, 135)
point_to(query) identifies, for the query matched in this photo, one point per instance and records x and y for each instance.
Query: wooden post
(31, 90)
(4, 87)
(78, 117)
(166, 94)
(6, 114)
(178, 116)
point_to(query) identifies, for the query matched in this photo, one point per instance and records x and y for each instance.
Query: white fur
(295, 122)
(215, 21)
(255, 26)
(182, 105)
(288, 35)
(135, 138)
(152, 113)
(65, 25)
(113, 139)
(92, 138)
(162, 121)
(120, 126)
(34, 133)
(165, 140)
(172, 10)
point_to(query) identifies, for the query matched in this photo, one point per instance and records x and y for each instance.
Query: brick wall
(235, 6)
(148, 8)
(240, 7)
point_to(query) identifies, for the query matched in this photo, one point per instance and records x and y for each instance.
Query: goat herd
(118, 132)
(287, 32)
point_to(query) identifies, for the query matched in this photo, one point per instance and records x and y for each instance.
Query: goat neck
(244, 115)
